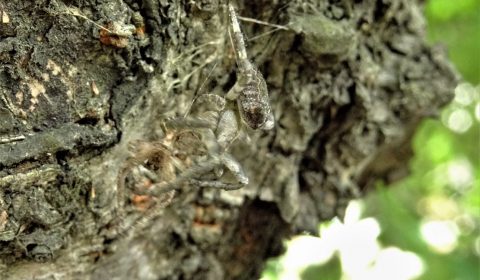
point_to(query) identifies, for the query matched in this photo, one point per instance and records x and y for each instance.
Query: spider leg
(234, 92)
(211, 102)
(192, 175)
(235, 169)
(215, 184)
(147, 173)
(238, 41)
(189, 174)
(187, 122)
(227, 129)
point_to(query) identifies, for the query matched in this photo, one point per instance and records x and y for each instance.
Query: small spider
(193, 152)
(195, 149)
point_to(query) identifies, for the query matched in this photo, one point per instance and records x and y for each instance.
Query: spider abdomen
(254, 103)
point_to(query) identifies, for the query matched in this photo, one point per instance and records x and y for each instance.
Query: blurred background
(426, 226)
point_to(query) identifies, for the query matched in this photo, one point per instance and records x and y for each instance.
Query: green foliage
(457, 25)
(446, 10)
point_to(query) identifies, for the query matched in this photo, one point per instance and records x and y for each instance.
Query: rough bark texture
(349, 81)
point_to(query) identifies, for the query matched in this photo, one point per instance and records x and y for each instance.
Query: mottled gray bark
(348, 80)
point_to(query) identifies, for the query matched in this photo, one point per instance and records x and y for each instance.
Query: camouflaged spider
(195, 147)
(203, 137)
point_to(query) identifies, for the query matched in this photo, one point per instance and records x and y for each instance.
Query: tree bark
(81, 80)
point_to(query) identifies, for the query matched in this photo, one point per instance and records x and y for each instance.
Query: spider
(196, 146)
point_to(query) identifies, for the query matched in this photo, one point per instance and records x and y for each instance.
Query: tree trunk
(82, 80)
